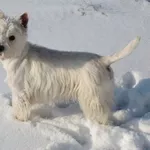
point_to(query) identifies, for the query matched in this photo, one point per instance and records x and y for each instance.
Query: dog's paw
(21, 116)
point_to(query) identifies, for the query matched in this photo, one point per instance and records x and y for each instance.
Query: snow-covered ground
(99, 26)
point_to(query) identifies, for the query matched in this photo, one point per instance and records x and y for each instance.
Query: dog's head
(13, 35)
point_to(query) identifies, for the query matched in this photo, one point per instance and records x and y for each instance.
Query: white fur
(36, 74)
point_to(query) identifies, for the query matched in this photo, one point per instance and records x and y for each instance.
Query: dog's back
(61, 58)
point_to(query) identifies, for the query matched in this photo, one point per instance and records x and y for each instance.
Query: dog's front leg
(21, 106)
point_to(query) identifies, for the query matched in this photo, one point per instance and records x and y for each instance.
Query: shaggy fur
(37, 74)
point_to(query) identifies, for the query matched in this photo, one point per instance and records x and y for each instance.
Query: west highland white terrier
(36, 74)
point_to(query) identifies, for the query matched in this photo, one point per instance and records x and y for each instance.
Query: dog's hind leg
(96, 107)
(94, 111)
(21, 106)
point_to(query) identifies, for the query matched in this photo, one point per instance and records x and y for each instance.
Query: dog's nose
(2, 48)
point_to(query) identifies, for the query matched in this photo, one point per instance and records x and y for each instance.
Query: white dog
(37, 74)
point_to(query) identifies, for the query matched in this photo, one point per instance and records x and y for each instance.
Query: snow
(102, 27)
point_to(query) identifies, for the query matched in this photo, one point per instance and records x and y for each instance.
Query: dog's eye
(108, 68)
(12, 38)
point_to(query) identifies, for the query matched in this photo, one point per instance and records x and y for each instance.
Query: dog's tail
(108, 60)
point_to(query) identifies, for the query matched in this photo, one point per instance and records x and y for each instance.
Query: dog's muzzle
(2, 48)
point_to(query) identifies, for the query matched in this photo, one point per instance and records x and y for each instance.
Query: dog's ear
(24, 20)
(1, 15)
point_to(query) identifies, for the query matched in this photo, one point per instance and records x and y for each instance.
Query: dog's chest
(14, 73)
